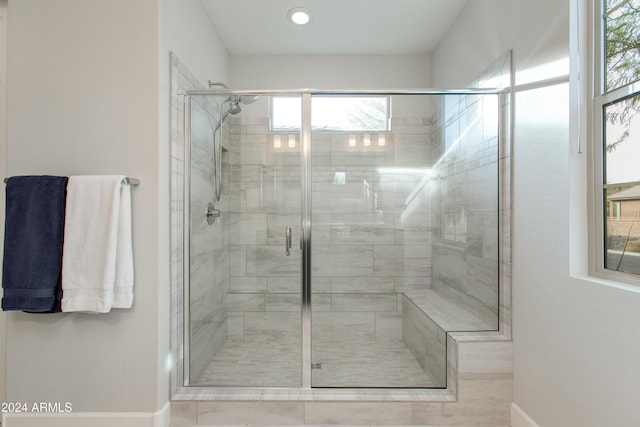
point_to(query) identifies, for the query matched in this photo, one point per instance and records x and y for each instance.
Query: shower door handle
(287, 241)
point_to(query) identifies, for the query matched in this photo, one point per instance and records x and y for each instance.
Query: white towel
(97, 259)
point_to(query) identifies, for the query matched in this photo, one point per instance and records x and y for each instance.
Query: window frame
(601, 98)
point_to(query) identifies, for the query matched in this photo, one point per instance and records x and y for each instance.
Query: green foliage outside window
(622, 59)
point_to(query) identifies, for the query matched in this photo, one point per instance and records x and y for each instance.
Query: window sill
(610, 282)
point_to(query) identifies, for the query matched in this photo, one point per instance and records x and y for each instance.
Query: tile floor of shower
(275, 361)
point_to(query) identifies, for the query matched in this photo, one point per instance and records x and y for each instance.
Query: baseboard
(160, 418)
(519, 418)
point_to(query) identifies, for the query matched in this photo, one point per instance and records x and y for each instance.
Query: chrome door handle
(287, 241)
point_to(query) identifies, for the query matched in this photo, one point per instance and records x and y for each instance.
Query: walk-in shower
(355, 230)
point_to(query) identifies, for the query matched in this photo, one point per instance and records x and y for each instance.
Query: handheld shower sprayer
(234, 108)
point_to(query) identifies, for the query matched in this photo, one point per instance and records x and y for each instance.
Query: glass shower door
(245, 323)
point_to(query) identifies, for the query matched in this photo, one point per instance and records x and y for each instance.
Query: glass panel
(622, 42)
(286, 113)
(334, 113)
(350, 113)
(622, 140)
(622, 192)
(245, 327)
(404, 242)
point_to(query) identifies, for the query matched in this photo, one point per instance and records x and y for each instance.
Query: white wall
(83, 99)
(331, 72)
(189, 33)
(575, 340)
(89, 94)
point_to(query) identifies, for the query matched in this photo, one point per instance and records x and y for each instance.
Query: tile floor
(275, 361)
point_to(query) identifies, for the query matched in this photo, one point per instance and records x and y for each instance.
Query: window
(333, 113)
(617, 117)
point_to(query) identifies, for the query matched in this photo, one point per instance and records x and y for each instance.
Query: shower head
(235, 107)
(237, 100)
(235, 103)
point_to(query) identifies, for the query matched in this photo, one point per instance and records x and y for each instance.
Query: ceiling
(352, 27)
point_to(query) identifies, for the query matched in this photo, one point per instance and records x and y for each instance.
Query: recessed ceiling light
(299, 15)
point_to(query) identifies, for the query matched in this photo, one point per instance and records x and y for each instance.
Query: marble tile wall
(369, 243)
(371, 219)
(426, 339)
(264, 189)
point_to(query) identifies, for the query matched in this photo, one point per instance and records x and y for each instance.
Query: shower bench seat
(428, 316)
(452, 316)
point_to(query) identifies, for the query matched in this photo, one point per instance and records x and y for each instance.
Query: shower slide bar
(126, 180)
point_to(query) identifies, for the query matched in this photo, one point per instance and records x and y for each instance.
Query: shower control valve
(212, 213)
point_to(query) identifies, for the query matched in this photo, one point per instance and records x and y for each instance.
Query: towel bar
(126, 180)
(131, 181)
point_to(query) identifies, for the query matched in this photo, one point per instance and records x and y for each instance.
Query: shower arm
(212, 84)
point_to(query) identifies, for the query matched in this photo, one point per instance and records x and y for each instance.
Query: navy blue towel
(33, 237)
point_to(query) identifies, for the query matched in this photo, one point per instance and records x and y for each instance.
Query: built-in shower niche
(404, 246)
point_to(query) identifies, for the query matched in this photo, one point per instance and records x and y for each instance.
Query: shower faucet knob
(212, 213)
